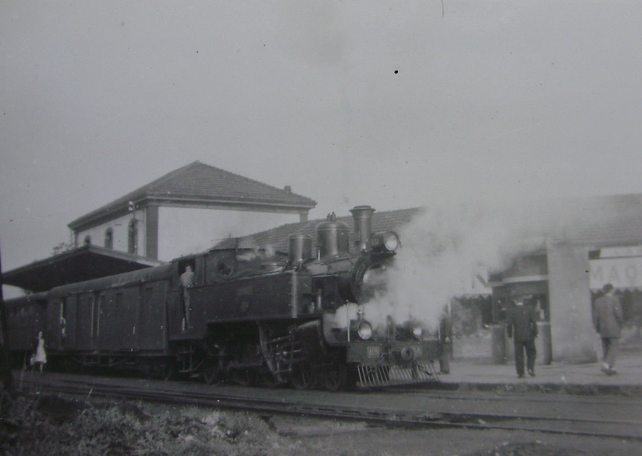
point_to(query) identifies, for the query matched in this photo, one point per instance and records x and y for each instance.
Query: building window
(109, 239)
(87, 240)
(132, 245)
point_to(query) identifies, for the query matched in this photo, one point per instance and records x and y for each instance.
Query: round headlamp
(391, 241)
(417, 332)
(385, 242)
(364, 330)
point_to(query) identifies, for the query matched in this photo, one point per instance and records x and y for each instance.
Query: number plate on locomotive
(374, 351)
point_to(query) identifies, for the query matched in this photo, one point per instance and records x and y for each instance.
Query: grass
(52, 424)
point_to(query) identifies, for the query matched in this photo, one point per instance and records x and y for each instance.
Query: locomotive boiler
(251, 316)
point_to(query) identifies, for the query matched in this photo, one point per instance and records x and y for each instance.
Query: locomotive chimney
(300, 248)
(362, 227)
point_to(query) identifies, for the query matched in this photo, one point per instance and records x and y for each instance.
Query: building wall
(120, 230)
(183, 231)
(166, 233)
(572, 331)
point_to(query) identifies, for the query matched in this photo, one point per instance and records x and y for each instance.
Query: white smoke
(442, 250)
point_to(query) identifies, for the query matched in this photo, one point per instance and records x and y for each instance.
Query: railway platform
(472, 374)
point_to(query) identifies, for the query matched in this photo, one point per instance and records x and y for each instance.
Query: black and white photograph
(341, 228)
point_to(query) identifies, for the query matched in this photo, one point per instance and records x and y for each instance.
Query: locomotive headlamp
(407, 353)
(364, 330)
(385, 242)
(417, 332)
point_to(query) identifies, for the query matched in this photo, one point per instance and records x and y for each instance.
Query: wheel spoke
(303, 377)
(242, 377)
(335, 377)
(269, 380)
(210, 373)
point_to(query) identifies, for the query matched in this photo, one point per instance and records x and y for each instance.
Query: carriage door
(53, 331)
(69, 322)
(98, 310)
(152, 320)
(85, 322)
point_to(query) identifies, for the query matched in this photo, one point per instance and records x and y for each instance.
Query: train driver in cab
(186, 281)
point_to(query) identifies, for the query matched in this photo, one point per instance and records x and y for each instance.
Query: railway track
(560, 415)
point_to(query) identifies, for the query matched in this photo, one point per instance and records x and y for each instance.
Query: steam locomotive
(241, 315)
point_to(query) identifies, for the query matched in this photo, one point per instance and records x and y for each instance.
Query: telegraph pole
(5, 368)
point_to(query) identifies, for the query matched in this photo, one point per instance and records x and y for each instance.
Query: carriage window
(109, 239)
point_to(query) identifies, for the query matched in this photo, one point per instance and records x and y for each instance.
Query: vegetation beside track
(45, 424)
(52, 424)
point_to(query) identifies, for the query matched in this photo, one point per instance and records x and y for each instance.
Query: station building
(182, 212)
(187, 210)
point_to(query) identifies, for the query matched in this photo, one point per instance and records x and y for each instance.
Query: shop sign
(616, 252)
(620, 272)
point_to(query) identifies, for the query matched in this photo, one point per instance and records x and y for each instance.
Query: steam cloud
(443, 248)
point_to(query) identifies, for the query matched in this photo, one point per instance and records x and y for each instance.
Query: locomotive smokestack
(300, 248)
(362, 216)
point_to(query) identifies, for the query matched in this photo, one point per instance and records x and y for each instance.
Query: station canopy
(76, 265)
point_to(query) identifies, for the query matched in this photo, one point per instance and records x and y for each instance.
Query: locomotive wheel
(210, 372)
(242, 353)
(242, 377)
(268, 379)
(303, 377)
(335, 377)
(163, 370)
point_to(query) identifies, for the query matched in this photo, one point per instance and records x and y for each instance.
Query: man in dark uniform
(608, 322)
(522, 326)
(445, 337)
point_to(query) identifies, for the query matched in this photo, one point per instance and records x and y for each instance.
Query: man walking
(445, 337)
(522, 326)
(608, 323)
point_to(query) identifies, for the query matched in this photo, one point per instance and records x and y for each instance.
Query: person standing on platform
(40, 356)
(522, 327)
(608, 323)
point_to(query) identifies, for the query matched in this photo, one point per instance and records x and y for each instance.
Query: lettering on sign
(374, 351)
(621, 272)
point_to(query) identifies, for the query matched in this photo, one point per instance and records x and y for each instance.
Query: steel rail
(627, 429)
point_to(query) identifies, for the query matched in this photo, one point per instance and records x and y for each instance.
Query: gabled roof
(278, 238)
(613, 220)
(203, 186)
(77, 265)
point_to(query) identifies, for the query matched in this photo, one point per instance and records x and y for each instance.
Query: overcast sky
(392, 103)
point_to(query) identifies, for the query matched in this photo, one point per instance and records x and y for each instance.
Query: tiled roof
(200, 185)
(278, 238)
(591, 221)
(598, 221)
(612, 220)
